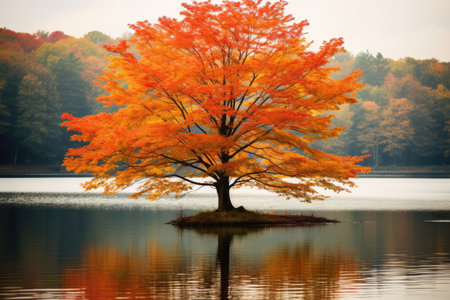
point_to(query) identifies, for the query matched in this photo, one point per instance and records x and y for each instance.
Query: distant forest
(402, 118)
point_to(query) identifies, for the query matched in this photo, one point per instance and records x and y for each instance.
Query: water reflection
(299, 271)
(286, 271)
(57, 253)
(222, 266)
(108, 273)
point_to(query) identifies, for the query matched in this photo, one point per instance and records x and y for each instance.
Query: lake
(57, 242)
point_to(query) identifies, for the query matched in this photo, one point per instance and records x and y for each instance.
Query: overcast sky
(396, 28)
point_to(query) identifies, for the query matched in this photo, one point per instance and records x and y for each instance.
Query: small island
(242, 217)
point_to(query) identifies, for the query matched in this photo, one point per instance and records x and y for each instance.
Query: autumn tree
(228, 96)
(386, 129)
(426, 117)
(396, 126)
(442, 96)
(56, 36)
(25, 41)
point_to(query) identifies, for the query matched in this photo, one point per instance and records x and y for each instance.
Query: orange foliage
(231, 93)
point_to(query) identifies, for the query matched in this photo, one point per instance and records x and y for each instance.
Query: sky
(395, 28)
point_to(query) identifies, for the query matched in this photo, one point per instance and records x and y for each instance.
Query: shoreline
(33, 171)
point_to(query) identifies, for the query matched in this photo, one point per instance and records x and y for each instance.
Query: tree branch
(189, 180)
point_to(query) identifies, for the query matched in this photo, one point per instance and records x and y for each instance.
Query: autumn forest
(402, 117)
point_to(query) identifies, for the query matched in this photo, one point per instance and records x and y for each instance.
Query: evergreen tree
(38, 108)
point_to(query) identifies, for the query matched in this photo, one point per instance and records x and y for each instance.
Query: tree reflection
(224, 239)
(286, 270)
(223, 259)
(108, 273)
(104, 255)
(320, 274)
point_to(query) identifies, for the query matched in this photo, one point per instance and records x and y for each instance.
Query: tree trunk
(377, 157)
(15, 155)
(223, 194)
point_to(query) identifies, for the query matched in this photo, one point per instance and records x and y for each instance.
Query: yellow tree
(227, 96)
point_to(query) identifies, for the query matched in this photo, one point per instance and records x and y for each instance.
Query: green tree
(67, 69)
(345, 142)
(402, 67)
(378, 94)
(374, 68)
(13, 64)
(92, 61)
(97, 37)
(38, 108)
(83, 48)
(4, 113)
(73, 64)
(423, 84)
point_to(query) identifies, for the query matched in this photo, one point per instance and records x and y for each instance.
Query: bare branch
(189, 180)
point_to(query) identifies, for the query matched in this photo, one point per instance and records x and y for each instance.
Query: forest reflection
(54, 253)
(299, 270)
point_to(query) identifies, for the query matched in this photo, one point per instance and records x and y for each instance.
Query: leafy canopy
(228, 92)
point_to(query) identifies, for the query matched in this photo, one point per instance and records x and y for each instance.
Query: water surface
(56, 245)
(369, 194)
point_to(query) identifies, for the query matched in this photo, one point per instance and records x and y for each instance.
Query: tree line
(402, 118)
(403, 114)
(43, 75)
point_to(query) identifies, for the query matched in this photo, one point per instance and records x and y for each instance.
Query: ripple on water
(22, 293)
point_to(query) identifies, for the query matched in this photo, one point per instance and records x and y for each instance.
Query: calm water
(56, 245)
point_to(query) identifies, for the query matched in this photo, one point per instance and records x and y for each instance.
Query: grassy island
(243, 217)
